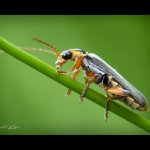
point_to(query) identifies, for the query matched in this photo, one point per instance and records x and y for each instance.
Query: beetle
(97, 71)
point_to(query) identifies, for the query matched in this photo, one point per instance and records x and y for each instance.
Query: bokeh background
(37, 105)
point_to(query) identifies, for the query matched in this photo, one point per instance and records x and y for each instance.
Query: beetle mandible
(98, 71)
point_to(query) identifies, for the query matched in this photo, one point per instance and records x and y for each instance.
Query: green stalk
(76, 86)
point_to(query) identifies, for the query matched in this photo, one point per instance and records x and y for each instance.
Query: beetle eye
(66, 54)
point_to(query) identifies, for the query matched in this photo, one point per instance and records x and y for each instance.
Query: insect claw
(61, 72)
(105, 116)
(57, 72)
(80, 100)
(68, 93)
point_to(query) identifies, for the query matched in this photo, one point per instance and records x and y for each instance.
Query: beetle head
(62, 58)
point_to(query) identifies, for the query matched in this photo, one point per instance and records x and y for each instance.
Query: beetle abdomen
(107, 82)
(128, 100)
(134, 104)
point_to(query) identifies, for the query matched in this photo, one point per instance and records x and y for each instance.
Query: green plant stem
(76, 86)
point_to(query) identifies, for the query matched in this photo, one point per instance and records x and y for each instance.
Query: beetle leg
(109, 98)
(87, 83)
(107, 107)
(119, 93)
(75, 70)
(74, 75)
(77, 63)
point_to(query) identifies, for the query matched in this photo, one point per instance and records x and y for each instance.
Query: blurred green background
(37, 105)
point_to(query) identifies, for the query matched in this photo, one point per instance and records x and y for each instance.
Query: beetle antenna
(38, 49)
(57, 53)
(34, 49)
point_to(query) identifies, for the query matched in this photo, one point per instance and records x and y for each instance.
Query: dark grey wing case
(96, 62)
